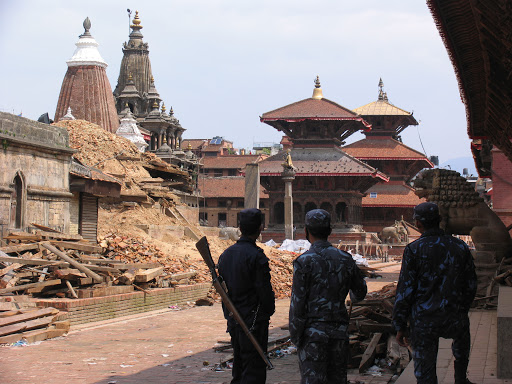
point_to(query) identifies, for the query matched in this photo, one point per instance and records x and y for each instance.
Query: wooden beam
(59, 236)
(73, 262)
(31, 285)
(147, 275)
(19, 248)
(90, 248)
(71, 290)
(369, 353)
(20, 260)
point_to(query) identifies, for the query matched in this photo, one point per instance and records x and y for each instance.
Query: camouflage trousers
(425, 344)
(323, 362)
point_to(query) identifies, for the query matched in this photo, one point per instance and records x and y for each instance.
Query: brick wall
(81, 311)
(502, 186)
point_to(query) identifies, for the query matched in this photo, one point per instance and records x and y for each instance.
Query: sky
(221, 64)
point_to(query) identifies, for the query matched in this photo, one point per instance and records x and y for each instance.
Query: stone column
(252, 186)
(288, 175)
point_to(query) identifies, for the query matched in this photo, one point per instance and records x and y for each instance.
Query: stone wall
(38, 155)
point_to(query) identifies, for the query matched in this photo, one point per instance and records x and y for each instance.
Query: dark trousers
(425, 344)
(248, 366)
(323, 362)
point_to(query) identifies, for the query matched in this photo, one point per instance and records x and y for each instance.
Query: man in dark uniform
(245, 269)
(322, 278)
(436, 287)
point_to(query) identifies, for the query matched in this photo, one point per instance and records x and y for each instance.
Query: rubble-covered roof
(230, 186)
(391, 194)
(320, 162)
(383, 148)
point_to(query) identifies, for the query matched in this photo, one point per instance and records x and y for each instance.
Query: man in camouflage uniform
(322, 278)
(436, 287)
(246, 272)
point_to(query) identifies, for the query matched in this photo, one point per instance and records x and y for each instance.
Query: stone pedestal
(288, 176)
(252, 186)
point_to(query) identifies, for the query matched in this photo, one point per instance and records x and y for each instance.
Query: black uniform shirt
(245, 269)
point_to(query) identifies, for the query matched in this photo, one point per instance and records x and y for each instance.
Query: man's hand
(402, 339)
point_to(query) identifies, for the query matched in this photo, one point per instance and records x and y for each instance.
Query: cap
(426, 212)
(318, 218)
(250, 220)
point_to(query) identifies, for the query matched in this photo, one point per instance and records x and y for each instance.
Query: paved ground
(176, 347)
(161, 347)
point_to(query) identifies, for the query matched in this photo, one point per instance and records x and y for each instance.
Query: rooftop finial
(381, 92)
(155, 105)
(163, 108)
(87, 27)
(136, 21)
(152, 80)
(317, 92)
(171, 113)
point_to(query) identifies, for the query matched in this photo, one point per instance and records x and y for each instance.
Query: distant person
(436, 287)
(245, 269)
(322, 278)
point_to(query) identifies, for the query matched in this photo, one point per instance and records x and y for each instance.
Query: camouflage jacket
(322, 278)
(244, 267)
(437, 280)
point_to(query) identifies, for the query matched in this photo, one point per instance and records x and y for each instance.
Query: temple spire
(317, 92)
(381, 92)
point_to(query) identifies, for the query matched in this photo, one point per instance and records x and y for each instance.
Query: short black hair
(321, 232)
(318, 223)
(250, 221)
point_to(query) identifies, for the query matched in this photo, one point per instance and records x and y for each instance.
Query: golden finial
(155, 105)
(126, 105)
(130, 77)
(136, 20)
(189, 146)
(152, 80)
(171, 112)
(163, 108)
(317, 92)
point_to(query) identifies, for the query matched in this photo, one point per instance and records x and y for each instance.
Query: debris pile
(144, 176)
(22, 326)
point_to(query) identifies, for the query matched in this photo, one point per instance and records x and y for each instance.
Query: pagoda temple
(85, 88)
(382, 149)
(136, 90)
(324, 175)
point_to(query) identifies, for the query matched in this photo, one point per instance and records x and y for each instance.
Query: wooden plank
(73, 262)
(59, 236)
(19, 248)
(101, 268)
(84, 247)
(50, 311)
(31, 285)
(149, 274)
(13, 328)
(369, 353)
(44, 228)
(20, 260)
(68, 274)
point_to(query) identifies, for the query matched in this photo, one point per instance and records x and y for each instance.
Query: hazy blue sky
(223, 63)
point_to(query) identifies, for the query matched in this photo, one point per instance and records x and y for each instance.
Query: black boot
(461, 368)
